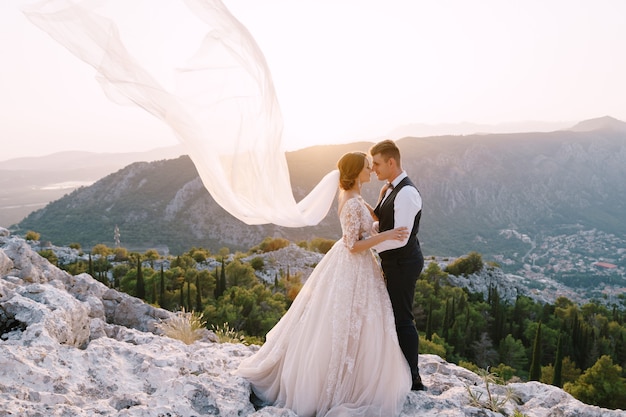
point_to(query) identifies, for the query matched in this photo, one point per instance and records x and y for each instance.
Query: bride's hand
(399, 233)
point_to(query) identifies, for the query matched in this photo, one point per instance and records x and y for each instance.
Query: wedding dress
(335, 352)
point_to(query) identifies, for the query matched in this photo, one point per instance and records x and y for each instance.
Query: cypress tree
(615, 314)
(182, 296)
(576, 340)
(557, 379)
(452, 317)
(217, 290)
(446, 319)
(189, 296)
(223, 279)
(467, 336)
(91, 266)
(593, 353)
(162, 287)
(429, 325)
(535, 365)
(141, 286)
(620, 352)
(198, 295)
(497, 314)
(584, 347)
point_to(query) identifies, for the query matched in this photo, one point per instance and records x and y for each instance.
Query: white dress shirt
(407, 204)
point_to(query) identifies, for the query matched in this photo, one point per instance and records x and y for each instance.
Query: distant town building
(604, 265)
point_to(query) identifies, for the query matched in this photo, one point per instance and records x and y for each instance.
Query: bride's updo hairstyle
(350, 166)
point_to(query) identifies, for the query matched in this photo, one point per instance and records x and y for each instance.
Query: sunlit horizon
(349, 71)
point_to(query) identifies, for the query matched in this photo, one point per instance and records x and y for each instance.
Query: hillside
(474, 187)
(28, 184)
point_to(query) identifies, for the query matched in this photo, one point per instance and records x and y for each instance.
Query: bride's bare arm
(399, 233)
(351, 225)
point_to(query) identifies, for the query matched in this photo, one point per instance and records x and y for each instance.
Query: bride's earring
(358, 183)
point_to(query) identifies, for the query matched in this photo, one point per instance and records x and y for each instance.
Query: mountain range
(473, 187)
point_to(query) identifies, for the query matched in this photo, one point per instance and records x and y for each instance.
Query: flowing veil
(213, 89)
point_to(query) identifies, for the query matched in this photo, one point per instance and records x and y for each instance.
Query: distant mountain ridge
(82, 159)
(467, 128)
(29, 183)
(473, 187)
(601, 123)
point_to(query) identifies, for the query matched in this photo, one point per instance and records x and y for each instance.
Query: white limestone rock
(6, 264)
(70, 346)
(49, 316)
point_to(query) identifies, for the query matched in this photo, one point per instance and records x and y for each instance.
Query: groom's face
(381, 167)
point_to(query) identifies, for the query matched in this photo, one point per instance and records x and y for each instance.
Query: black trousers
(401, 275)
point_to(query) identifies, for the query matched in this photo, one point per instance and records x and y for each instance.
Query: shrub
(465, 266)
(120, 254)
(257, 263)
(49, 255)
(470, 366)
(270, 244)
(600, 385)
(435, 347)
(30, 235)
(101, 249)
(321, 245)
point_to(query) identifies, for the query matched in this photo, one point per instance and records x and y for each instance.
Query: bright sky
(346, 70)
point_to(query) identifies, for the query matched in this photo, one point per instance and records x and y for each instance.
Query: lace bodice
(356, 221)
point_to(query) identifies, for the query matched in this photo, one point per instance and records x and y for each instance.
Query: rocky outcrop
(70, 346)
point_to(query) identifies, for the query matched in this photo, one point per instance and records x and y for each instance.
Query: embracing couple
(348, 345)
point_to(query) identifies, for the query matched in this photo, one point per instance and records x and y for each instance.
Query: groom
(400, 204)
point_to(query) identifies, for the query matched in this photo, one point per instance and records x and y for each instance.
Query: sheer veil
(207, 79)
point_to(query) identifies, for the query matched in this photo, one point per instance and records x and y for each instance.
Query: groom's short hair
(387, 149)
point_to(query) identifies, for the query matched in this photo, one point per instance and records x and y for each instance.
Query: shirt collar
(399, 178)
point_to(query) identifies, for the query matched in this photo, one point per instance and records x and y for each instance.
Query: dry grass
(226, 334)
(491, 402)
(184, 326)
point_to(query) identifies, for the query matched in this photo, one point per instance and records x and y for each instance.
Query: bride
(335, 352)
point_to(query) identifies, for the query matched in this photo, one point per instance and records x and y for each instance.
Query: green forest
(580, 348)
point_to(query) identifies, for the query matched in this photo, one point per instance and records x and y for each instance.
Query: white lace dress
(335, 352)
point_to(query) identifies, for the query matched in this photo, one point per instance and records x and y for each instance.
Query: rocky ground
(70, 346)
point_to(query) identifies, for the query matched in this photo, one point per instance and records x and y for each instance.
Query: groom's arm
(407, 204)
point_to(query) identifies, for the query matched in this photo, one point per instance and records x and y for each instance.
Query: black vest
(386, 221)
